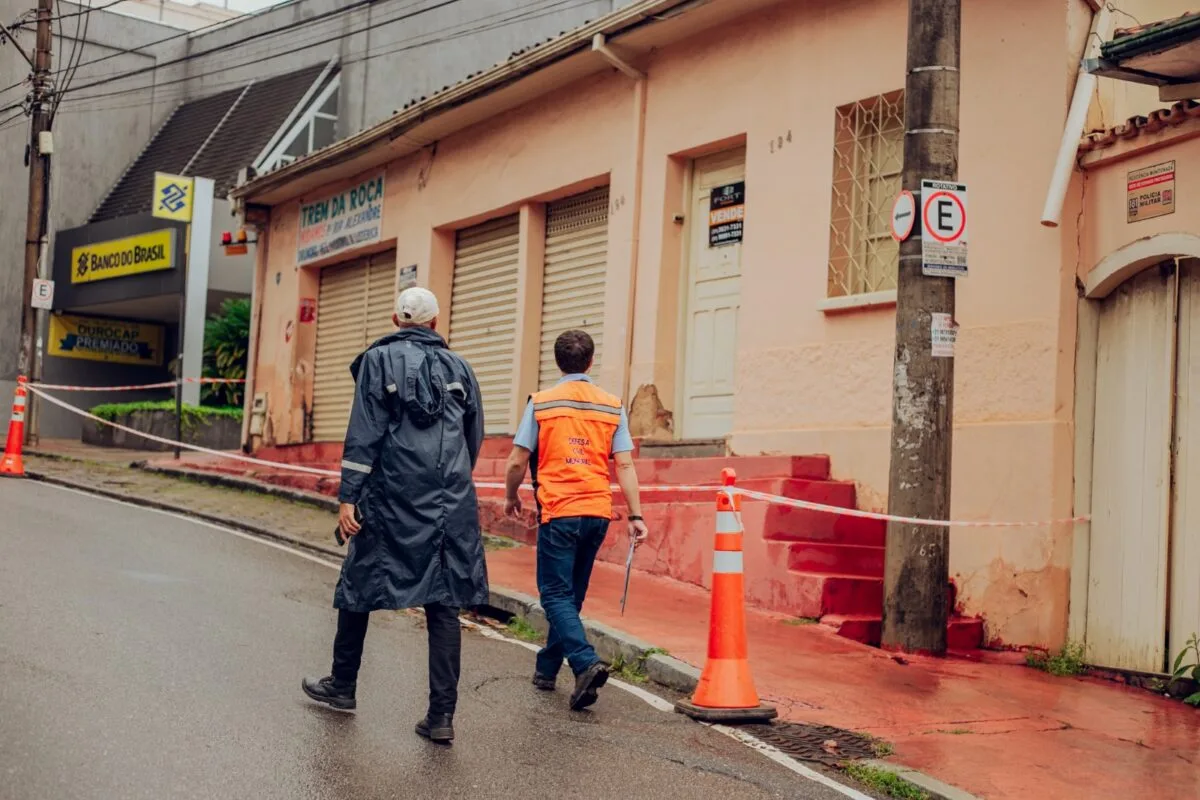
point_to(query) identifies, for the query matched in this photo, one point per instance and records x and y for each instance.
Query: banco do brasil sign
(144, 252)
(348, 219)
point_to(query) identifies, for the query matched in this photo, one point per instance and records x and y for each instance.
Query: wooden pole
(916, 573)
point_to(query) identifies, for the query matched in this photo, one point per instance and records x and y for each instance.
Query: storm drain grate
(818, 743)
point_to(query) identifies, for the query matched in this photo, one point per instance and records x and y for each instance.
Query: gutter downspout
(600, 46)
(1068, 149)
(257, 288)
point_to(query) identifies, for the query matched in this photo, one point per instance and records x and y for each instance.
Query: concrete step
(787, 524)
(822, 593)
(836, 558)
(685, 448)
(963, 634)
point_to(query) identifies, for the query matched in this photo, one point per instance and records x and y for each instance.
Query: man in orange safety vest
(566, 437)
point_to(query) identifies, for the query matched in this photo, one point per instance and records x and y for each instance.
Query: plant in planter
(226, 343)
(1180, 671)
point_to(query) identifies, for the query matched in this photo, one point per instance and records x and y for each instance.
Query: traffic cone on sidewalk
(726, 691)
(11, 464)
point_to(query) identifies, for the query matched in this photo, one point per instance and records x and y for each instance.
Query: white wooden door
(711, 313)
(1184, 617)
(1127, 582)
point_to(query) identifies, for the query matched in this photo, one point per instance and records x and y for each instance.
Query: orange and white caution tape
(57, 387)
(774, 499)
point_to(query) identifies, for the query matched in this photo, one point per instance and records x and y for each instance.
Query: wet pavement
(144, 655)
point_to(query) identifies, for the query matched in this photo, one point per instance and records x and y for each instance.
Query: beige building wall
(812, 376)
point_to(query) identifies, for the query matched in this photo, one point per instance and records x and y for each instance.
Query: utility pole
(916, 573)
(35, 225)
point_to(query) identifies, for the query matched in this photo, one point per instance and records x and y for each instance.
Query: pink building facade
(706, 188)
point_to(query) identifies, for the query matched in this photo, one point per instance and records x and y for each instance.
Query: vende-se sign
(342, 221)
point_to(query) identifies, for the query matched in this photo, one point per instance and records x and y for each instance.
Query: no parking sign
(943, 229)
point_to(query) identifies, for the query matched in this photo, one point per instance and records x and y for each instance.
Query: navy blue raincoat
(415, 431)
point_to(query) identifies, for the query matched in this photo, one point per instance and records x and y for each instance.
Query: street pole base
(760, 713)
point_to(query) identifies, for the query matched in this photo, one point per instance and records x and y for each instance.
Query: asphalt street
(144, 655)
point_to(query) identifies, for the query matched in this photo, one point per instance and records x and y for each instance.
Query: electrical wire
(555, 6)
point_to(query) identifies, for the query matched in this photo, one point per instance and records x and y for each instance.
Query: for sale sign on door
(726, 214)
(943, 229)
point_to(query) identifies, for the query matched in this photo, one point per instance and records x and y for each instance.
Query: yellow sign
(172, 197)
(145, 252)
(114, 340)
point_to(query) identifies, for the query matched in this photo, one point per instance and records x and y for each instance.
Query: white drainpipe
(1068, 149)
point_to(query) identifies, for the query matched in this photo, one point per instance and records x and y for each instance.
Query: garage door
(353, 309)
(483, 312)
(576, 266)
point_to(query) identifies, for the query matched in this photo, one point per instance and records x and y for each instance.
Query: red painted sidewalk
(996, 731)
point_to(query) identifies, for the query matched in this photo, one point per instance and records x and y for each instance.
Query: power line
(364, 55)
(260, 35)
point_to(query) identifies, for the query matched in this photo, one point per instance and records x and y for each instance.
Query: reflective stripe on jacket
(576, 422)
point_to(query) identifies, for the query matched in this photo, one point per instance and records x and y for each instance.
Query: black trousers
(445, 651)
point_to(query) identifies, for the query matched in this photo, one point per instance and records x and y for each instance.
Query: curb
(937, 789)
(242, 484)
(662, 669)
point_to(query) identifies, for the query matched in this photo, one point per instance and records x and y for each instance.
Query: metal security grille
(868, 159)
(483, 312)
(576, 267)
(353, 309)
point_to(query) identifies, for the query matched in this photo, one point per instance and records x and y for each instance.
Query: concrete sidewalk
(997, 731)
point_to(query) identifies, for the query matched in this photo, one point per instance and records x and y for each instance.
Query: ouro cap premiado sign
(131, 255)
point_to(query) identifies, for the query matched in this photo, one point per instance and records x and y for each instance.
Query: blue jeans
(566, 551)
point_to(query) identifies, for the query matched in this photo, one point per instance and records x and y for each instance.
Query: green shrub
(226, 345)
(192, 415)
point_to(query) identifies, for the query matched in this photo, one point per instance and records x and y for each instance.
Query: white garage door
(483, 312)
(574, 279)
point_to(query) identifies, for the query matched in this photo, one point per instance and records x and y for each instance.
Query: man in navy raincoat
(408, 504)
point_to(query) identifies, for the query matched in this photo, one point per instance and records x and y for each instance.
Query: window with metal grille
(868, 156)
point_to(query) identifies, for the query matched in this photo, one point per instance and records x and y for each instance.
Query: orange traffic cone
(726, 691)
(11, 464)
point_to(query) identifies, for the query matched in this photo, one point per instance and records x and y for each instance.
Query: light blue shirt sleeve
(527, 431)
(622, 440)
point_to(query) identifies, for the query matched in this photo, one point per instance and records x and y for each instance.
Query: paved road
(143, 655)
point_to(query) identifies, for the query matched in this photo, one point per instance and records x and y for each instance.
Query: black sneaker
(328, 691)
(438, 727)
(544, 683)
(586, 685)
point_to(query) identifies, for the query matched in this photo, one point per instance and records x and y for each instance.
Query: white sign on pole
(904, 215)
(943, 229)
(943, 334)
(43, 294)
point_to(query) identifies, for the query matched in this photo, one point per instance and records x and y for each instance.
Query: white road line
(653, 700)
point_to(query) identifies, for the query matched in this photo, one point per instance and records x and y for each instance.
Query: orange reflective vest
(576, 422)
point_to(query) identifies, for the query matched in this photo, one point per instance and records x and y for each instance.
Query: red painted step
(963, 634)
(821, 594)
(836, 558)
(787, 524)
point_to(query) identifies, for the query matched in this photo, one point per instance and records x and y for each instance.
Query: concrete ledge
(242, 484)
(610, 643)
(937, 789)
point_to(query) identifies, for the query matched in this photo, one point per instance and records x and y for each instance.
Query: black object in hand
(337, 529)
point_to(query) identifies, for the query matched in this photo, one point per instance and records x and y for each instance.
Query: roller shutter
(483, 312)
(353, 309)
(576, 267)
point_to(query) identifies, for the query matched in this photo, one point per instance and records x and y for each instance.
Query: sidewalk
(996, 731)
(993, 730)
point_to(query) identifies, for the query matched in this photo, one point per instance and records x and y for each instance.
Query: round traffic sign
(904, 215)
(949, 216)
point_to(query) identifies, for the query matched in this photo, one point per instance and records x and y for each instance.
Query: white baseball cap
(416, 306)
